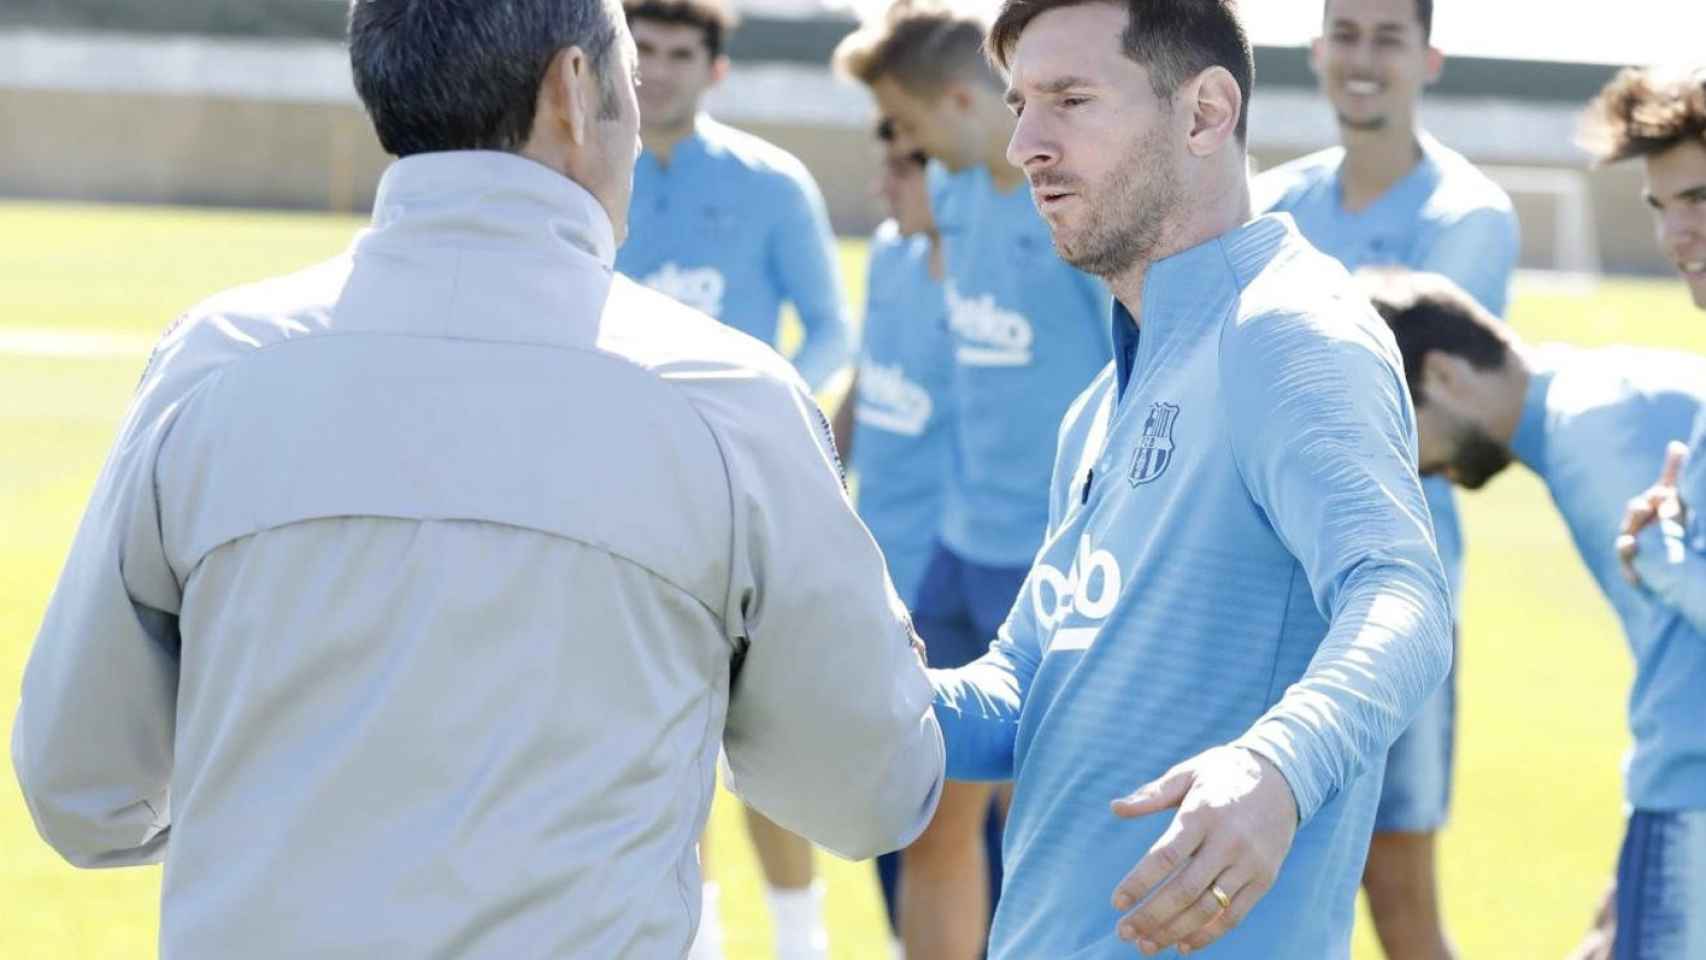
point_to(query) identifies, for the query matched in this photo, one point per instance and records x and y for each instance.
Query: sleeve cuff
(1273, 741)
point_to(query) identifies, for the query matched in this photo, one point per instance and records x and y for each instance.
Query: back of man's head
(1175, 40)
(1430, 314)
(921, 45)
(715, 19)
(444, 75)
(1645, 112)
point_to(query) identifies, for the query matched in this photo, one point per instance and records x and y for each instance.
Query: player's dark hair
(1428, 313)
(1175, 40)
(441, 75)
(714, 18)
(1643, 112)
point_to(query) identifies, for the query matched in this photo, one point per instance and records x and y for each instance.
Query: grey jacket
(422, 587)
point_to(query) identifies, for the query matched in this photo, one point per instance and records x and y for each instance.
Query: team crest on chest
(1155, 447)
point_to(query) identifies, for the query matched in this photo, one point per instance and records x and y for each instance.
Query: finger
(1639, 512)
(1626, 551)
(1162, 793)
(1676, 454)
(1170, 853)
(1245, 898)
(1179, 898)
(1200, 912)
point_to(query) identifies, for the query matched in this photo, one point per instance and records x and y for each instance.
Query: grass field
(83, 290)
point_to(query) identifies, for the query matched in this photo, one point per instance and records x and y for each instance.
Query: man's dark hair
(1643, 112)
(1173, 39)
(441, 75)
(1428, 313)
(714, 18)
(1424, 16)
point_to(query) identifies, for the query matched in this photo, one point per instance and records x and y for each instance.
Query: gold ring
(1220, 896)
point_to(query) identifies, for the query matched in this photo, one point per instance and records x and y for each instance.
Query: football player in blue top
(1030, 332)
(1238, 605)
(1391, 195)
(1659, 116)
(733, 226)
(1589, 423)
(722, 220)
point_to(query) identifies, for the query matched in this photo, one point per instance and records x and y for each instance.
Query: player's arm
(802, 256)
(92, 741)
(979, 704)
(830, 731)
(1478, 252)
(1324, 436)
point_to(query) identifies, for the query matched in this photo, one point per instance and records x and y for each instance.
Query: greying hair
(465, 74)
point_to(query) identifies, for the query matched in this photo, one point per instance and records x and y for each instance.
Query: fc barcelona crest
(1155, 448)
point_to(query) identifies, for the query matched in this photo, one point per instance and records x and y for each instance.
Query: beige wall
(242, 152)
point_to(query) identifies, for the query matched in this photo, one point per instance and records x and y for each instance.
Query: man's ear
(719, 69)
(570, 92)
(1444, 374)
(1316, 48)
(1436, 64)
(1215, 103)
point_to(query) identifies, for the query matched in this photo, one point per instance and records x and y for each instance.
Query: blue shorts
(961, 604)
(1416, 794)
(1661, 887)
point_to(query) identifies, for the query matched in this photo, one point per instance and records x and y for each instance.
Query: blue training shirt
(1030, 332)
(735, 227)
(1238, 551)
(1445, 216)
(1594, 427)
(903, 418)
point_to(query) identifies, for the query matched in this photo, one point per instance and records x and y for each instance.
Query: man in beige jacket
(422, 587)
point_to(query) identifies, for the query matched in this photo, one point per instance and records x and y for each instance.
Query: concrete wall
(276, 124)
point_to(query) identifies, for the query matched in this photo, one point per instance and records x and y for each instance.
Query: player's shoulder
(678, 343)
(752, 155)
(1463, 188)
(1282, 186)
(1297, 298)
(242, 320)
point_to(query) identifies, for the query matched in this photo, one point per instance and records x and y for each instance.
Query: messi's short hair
(1173, 39)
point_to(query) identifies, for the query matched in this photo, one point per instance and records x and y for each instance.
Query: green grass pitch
(1537, 807)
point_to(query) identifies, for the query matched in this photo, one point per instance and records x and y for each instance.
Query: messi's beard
(1126, 228)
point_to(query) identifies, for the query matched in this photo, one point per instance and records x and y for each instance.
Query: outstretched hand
(1237, 817)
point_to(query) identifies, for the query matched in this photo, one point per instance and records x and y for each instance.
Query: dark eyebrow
(1057, 85)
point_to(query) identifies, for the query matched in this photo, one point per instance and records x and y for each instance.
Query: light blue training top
(1445, 216)
(903, 419)
(1030, 333)
(1238, 552)
(1594, 426)
(735, 227)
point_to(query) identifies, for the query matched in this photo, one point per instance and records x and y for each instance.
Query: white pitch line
(78, 344)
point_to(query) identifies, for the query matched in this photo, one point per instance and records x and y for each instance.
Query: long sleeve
(979, 704)
(1324, 437)
(92, 741)
(802, 254)
(830, 731)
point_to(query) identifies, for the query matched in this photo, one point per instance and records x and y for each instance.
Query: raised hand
(1659, 503)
